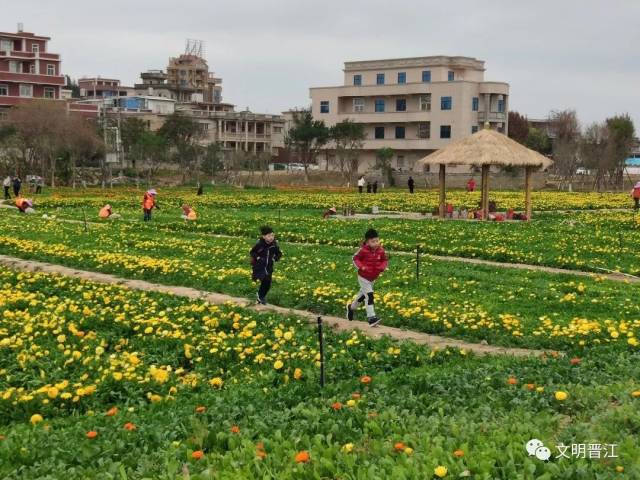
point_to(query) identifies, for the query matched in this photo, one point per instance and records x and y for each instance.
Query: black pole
(417, 262)
(321, 342)
(85, 220)
(278, 214)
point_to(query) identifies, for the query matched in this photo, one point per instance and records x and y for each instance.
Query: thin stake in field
(321, 350)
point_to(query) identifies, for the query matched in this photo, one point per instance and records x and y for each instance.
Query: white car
(296, 167)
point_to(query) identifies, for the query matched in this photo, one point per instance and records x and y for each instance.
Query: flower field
(103, 382)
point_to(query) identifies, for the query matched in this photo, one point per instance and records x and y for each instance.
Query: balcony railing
(32, 78)
(492, 117)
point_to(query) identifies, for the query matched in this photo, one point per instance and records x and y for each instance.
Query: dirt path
(340, 324)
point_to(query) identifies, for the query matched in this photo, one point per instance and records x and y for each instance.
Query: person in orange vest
(635, 194)
(24, 205)
(471, 185)
(149, 203)
(105, 212)
(188, 213)
(329, 213)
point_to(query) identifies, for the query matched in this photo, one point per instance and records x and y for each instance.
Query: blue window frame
(501, 106)
(379, 105)
(426, 76)
(401, 105)
(357, 79)
(399, 132)
(402, 77)
(379, 132)
(324, 106)
(475, 103)
(380, 79)
(446, 103)
(451, 76)
(474, 129)
(445, 131)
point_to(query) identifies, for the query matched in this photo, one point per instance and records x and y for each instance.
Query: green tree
(537, 140)
(131, 130)
(306, 137)
(621, 136)
(150, 150)
(212, 159)
(518, 127)
(348, 137)
(383, 162)
(182, 133)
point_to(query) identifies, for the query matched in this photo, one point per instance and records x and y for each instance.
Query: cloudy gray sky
(581, 54)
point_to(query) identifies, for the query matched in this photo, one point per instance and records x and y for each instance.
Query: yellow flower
(278, 365)
(288, 335)
(408, 451)
(351, 403)
(635, 394)
(297, 374)
(560, 396)
(99, 351)
(61, 338)
(216, 382)
(440, 471)
(117, 376)
(347, 447)
(36, 418)
(52, 392)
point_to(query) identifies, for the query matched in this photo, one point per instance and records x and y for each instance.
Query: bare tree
(566, 144)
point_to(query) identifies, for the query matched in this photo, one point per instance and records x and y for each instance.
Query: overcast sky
(581, 54)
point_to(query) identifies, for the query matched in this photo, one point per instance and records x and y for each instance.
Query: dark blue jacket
(263, 256)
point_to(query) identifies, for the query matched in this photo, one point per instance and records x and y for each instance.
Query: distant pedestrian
(199, 189)
(375, 187)
(39, 185)
(264, 254)
(149, 203)
(361, 183)
(411, 183)
(368, 187)
(329, 212)
(471, 185)
(6, 184)
(17, 185)
(635, 194)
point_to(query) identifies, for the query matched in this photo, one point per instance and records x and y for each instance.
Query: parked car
(296, 167)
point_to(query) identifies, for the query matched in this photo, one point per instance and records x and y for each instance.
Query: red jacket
(370, 263)
(635, 193)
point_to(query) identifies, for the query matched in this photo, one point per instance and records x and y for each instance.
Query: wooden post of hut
(443, 193)
(484, 202)
(527, 191)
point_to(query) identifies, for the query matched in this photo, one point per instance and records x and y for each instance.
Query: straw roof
(487, 147)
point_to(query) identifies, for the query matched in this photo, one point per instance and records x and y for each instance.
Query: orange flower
(554, 354)
(366, 380)
(91, 434)
(530, 386)
(399, 446)
(260, 453)
(112, 411)
(336, 406)
(235, 429)
(575, 361)
(356, 395)
(197, 455)
(302, 457)
(458, 453)
(512, 381)
(2, 437)
(201, 409)
(129, 426)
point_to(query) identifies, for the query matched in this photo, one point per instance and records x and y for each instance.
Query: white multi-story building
(413, 105)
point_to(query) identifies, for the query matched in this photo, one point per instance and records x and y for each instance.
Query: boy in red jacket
(371, 261)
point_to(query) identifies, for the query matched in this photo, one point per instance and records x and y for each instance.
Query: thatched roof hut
(485, 148)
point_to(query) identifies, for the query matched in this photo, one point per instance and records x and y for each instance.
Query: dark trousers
(147, 214)
(411, 189)
(6, 193)
(360, 189)
(16, 192)
(637, 203)
(265, 286)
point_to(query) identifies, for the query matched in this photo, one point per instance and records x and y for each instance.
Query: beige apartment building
(413, 105)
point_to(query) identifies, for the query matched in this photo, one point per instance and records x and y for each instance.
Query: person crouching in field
(635, 194)
(149, 203)
(107, 212)
(188, 213)
(371, 260)
(263, 256)
(25, 205)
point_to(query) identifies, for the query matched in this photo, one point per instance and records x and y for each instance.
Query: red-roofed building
(27, 70)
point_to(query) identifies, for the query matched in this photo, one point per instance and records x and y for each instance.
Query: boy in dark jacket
(263, 255)
(371, 260)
